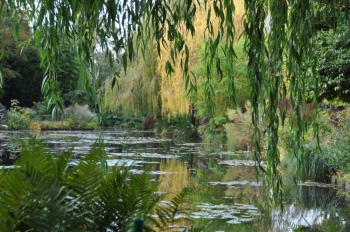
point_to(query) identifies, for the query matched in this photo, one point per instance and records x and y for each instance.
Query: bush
(336, 148)
(79, 116)
(18, 118)
(238, 130)
(178, 127)
(40, 109)
(338, 155)
(133, 122)
(213, 132)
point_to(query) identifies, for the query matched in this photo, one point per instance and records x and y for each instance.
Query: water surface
(226, 196)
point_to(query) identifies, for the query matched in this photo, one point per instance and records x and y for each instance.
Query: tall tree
(68, 72)
(26, 87)
(20, 66)
(174, 85)
(137, 90)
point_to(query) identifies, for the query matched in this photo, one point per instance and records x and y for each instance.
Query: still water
(225, 194)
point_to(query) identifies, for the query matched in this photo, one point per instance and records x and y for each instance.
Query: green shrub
(79, 116)
(213, 136)
(178, 127)
(40, 109)
(18, 118)
(133, 122)
(337, 147)
(335, 140)
(76, 97)
(338, 156)
(213, 132)
(17, 121)
(238, 129)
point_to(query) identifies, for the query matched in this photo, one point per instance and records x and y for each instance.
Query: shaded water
(225, 194)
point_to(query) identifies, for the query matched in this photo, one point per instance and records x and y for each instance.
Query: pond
(224, 196)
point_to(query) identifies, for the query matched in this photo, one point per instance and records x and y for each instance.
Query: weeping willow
(137, 90)
(278, 36)
(176, 99)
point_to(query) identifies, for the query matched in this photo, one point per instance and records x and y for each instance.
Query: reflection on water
(175, 177)
(314, 207)
(224, 193)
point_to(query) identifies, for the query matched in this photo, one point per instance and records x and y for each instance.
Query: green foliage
(132, 122)
(68, 72)
(17, 121)
(79, 116)
(336, 140)
(106, 70)
(238, 129)
(330, 158)
(20, 66)
(307, 165)
(333, 63)
(213, 132)
(227, 91)
(45, 193)
(178, 127)
(76, 97)
(40, 109)
(337, 155)
(62, 125)
(33, 193)
(18, 118)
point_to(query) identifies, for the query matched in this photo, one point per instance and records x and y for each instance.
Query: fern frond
(32, 196)
(169, 213)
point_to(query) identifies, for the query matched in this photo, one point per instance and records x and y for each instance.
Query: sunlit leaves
(136, 91)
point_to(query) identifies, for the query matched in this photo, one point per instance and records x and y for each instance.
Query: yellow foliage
(173, 93)
(137, 91)
(146, 87)
(35, 126)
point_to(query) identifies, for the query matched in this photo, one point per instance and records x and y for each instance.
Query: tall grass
(307, 165)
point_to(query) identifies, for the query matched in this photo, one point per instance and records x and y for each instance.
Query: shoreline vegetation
(233, 131)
